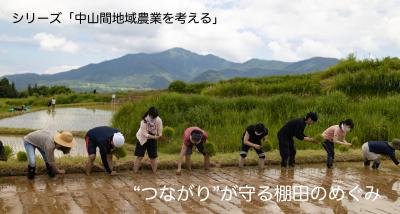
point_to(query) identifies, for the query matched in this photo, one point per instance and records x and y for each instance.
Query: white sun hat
(118, 139)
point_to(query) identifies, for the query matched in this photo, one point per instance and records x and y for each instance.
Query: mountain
(257, 68)
(157, 70)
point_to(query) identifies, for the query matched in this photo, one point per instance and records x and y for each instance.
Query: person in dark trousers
(193, 136)
(105, 138)
(3, 156)
(372, 151)
(252, 138)
(336, 134)
(47, 141)
(294, 128)
(150, 131)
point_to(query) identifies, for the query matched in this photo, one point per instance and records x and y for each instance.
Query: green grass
(354, 77)
(226, 118)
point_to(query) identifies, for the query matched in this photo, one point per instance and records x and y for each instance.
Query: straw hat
(395, 144)
(65, 139)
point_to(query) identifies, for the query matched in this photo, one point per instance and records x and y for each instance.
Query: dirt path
(77, 193)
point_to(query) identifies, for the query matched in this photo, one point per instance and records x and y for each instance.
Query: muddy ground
(99, 193)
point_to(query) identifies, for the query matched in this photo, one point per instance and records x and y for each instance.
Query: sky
(287, 30)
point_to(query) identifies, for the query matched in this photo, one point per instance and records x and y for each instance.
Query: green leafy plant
(319, 138)
(210, 148)
(354, 141)
(343, 148)
(21, 156)
(267, 147)
(119, 152)
(8, 151)
(168, 133)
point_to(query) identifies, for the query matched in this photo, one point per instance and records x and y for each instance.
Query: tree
(7, 89)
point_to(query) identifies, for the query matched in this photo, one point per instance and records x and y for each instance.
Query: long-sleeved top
(334, 131)
(293, 128)
(149, 127)
(383, 148)
(44, 140)
(102, 137)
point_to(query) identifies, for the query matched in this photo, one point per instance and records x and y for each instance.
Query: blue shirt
(383, 148)
(102, 137)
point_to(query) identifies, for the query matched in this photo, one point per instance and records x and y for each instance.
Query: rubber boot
(367, 163)
(376, 164)
(50, 171)
(31, 172)
(292, 162)
(329, 162)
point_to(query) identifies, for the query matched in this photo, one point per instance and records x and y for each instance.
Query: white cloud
(310, 48)
(61, 68)
(51, 42)
(279, 29)
(282, 50)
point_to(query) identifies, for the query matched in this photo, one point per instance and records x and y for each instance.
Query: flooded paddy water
(99, 193)
(17, 144)
(71, 119)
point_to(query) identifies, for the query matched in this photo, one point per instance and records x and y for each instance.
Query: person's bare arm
(247, 142)
(181, 157)
(341, 142)
(310, 139)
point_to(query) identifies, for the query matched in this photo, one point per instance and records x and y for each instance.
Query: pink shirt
(188, 132)
(334, 131)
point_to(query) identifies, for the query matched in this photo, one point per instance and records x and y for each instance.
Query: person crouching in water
(106, 139)
(336, 134)
(151, 128)
(372, 151)
(294, 128)
(193, 136)
(46, 142)
(252, 138)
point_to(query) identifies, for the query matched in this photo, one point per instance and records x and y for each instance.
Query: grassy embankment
(366, 91)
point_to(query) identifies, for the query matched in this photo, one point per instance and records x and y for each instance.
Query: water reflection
(71, 119)
(16, 143)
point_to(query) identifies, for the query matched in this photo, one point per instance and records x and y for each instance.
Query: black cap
(313, 116)
(260, 128)
(196, 135)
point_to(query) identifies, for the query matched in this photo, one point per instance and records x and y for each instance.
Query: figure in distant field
(106, 139)
(336, 134)
(53, 103)
(252, 138)
(3, 156)
(294, 128)
(150, 131)
(193, 136)
(113, 99)
(46, 142)
(372, 151)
